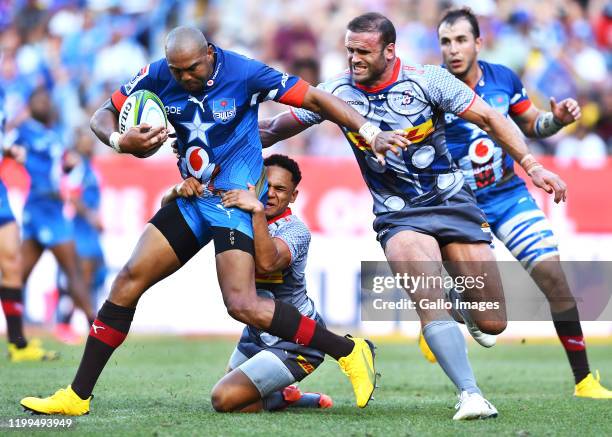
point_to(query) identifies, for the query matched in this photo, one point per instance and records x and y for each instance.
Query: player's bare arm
(536, 123)
(139, 140)
(281, 127)
(188, 188)
(338, 111)
(500, 128)
(271, 254)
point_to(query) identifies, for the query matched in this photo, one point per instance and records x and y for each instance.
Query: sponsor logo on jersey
(481, 151)
(198, 163)
(304, 364)
(144, 72)
(284, 80)
(224, 110)
(270, 278)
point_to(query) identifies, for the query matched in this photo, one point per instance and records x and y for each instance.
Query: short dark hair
(452, 15)
(374, 22)
(288, 164)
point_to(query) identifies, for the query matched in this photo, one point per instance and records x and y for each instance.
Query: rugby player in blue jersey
(263, 367)
(84, 188)
(11, 281)
(424, 211)
(212, 98)
(512, 213)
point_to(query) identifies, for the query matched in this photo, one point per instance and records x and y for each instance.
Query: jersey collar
(219, 61)
(394, 76)
(280, 216)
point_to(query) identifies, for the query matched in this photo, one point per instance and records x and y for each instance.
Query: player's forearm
(333, 109)
(169, 196)
(266, 252)
(103, 123)
(281, 127)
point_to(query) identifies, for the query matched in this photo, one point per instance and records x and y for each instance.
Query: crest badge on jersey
(144, 72)
(500, 102)
(224, 110)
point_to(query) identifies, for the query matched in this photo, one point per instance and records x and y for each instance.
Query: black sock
(289, 324)
(12, 305)
(567, 324)
(65, 307)
(106, 334)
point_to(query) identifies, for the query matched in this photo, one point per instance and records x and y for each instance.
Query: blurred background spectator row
(83, 50)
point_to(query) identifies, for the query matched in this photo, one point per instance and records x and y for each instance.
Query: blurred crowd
(83, 50)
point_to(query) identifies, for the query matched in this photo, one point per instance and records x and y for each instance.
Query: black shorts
(457, 219)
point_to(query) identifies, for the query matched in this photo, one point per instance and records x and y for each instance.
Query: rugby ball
(142, 107)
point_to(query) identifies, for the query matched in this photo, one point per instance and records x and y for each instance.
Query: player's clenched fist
(243, 199)
(189, 187)
(142, 140)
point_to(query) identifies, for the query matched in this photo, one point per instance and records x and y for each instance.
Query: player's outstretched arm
(338, 111)
(505, 134)
(536, 123)
(271, 254)
(279, 128)
(139, 141)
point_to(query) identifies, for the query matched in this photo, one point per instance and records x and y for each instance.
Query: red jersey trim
(280, 216)
(520, 107)
(295, 116)
(118, 99)
(394, 76)
(295, 95)
(468, 106)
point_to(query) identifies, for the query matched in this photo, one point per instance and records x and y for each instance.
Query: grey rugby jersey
(289, 285)
(415, 100)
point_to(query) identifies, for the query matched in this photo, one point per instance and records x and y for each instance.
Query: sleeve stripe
(468, 106)
(295, 95)
(118, 99)
(520, 107)
(296, 117)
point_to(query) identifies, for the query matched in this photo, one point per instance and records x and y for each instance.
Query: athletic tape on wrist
(369, 132)
(113, 140)
(546, 125)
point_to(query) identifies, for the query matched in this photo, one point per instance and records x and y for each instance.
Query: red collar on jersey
(394, 76)
(278, 217)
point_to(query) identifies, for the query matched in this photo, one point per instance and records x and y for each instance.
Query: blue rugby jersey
(45, 152)
(487, 168)
(217, 132)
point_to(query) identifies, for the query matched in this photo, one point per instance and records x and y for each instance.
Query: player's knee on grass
(226, 398)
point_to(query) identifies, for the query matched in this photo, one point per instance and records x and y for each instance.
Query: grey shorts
(457, 219)
(272, 363)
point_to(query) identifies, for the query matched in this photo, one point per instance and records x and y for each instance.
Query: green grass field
(161, 386)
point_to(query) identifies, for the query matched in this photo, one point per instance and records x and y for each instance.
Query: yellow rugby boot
(590, 387)
(65, 401)
(32, 352)
(359, 367)
(425, 350)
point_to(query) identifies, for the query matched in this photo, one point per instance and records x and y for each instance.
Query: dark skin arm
(139, 140)
(271, 254)
(504, 133)
(338, 111)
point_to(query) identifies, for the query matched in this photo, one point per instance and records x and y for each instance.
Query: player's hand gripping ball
(143, 107)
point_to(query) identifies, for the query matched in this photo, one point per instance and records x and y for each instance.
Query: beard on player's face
(367, 71)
